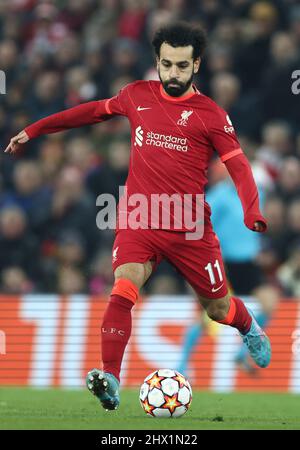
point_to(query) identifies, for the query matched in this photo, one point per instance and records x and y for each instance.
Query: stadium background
(55, 265)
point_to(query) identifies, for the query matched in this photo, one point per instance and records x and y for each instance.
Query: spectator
(274, 241)
(72, 208)
(80, 88)
(14, 281)
(276, 144)
(107, 177)
(288, 183)
(285, 58)
(51, 158)
(68, 53)
(18, 246)
(289, 273)
(30, 194)
(226, 90)
(47, 96)
(71, 250)
(9, 60)
(80, 154)
(253, 53)
(132, 19)
(71, 281)
(125, 58)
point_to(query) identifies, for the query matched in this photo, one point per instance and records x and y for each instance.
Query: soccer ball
(165, 393)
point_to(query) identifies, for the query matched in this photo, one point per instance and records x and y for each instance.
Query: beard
(175, 88)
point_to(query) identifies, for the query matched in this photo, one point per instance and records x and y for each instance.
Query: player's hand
(259, 226)
(15, 142)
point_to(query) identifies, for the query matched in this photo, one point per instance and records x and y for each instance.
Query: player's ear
(157, 62)
(197, 63)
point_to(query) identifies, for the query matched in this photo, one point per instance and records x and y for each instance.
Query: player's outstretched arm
(84, 114)
(242, 176)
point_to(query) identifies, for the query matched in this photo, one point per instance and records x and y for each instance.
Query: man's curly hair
(181, 34)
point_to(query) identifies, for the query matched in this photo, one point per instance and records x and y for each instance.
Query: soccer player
(175, 131)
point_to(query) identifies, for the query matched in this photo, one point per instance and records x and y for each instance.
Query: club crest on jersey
(184, 118)
(139, 136)
(115, 254)
(226, 128)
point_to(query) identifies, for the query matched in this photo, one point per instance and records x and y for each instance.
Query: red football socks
(238, 316)
(115, 332)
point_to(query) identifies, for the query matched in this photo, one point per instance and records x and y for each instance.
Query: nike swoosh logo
(139, 108)
(215, 290)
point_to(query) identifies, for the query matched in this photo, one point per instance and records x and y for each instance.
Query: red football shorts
(199, 261)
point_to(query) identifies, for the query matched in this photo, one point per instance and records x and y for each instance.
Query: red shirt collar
(178, 99)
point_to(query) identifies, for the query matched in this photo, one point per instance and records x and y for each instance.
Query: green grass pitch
(25, 408)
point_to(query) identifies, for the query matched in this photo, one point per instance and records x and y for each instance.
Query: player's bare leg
(137, 273)
(116, 330)
(231, 311)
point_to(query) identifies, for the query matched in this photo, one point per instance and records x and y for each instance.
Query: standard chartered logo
(167, 141)
(139, 136)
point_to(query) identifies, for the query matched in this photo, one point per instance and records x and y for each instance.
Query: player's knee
(125, 288)
(135, 272)
(217, 309)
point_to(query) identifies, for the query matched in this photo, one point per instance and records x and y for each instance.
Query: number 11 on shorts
(210, 268)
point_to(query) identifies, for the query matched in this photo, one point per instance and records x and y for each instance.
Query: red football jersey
(172, 139)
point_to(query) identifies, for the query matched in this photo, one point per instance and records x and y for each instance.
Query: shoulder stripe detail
(106, 106)
(229, 155)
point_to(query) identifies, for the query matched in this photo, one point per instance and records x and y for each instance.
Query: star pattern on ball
(148, 408)
(154, 382)
(171, 403)
(181, 380)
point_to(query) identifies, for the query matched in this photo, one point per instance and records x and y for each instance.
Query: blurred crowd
(57, 54)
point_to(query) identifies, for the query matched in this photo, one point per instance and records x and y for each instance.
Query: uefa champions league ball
(165, 393)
